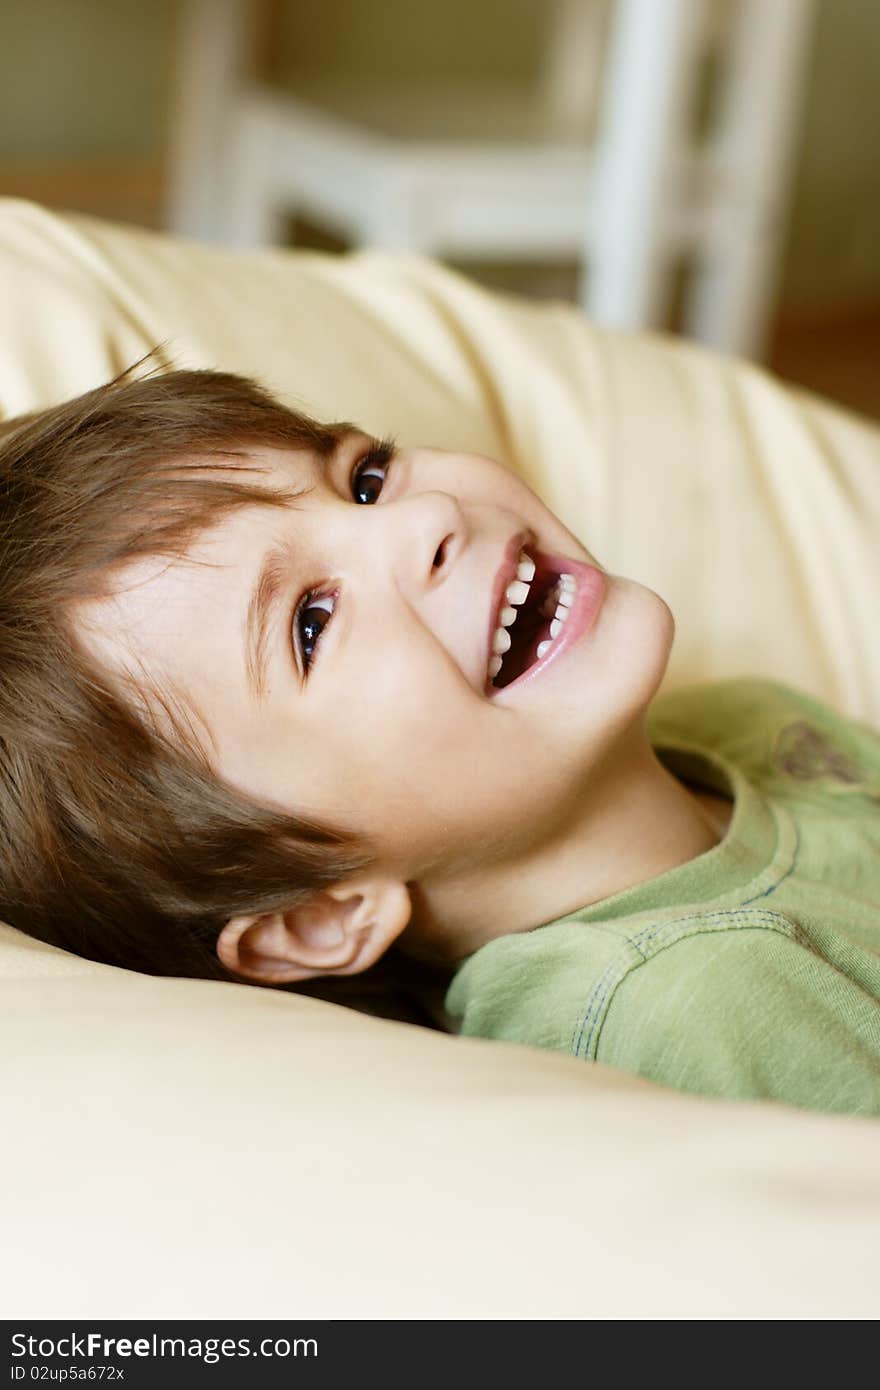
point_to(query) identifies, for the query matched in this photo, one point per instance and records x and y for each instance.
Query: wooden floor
(837, 355)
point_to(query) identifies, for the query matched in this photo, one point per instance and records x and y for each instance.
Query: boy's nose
(425, 535)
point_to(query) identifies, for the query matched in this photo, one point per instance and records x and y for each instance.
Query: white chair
(632, 203)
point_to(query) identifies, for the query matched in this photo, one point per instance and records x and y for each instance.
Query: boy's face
(394, 730)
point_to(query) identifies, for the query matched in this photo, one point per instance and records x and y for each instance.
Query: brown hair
(116, 839)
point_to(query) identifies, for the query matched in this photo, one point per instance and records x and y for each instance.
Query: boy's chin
(646, 637)
(614, 672)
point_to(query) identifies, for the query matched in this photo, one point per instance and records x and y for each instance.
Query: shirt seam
(601, 997)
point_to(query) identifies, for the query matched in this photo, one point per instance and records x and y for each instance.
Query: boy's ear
(340, 931)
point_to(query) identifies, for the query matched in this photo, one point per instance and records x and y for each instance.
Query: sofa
(207, 1149)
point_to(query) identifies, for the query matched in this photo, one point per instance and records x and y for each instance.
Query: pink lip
(590, 592)
(506, 572)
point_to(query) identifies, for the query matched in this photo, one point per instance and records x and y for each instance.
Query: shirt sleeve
(748, 1014)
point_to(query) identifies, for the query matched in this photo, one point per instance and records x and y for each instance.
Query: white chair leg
(210, 41)
(731, 298)
(390, 217)
(252, 213)
(642, 136)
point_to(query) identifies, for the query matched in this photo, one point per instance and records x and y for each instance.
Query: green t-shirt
(751, 971)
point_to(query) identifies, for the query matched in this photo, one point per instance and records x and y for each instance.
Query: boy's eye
(314, 610)
(313, 613)
(368, 474)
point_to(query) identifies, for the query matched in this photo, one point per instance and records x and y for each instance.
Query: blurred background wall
(86, 102)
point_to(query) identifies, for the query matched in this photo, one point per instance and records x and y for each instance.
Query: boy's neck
(640, 824)
(718, 810)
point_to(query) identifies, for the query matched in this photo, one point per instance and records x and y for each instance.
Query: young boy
(277, 698)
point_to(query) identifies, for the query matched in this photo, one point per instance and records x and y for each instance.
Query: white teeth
(556, 606)
(517, 592)
(560, 598)
(526, 567)
(563, 604)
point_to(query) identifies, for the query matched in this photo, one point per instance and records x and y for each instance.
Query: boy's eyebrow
(271, 579)
(261, 610)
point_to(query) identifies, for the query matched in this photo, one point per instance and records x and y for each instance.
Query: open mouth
(533, 612)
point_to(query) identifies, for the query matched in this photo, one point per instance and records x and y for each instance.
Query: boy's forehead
(137, 593)
(167, 633)
(177, 619)
(156, 607)
(263, 465)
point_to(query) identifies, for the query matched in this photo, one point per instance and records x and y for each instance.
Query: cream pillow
(199, 1149)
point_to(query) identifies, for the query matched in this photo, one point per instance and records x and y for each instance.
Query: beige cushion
(177, 1148)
